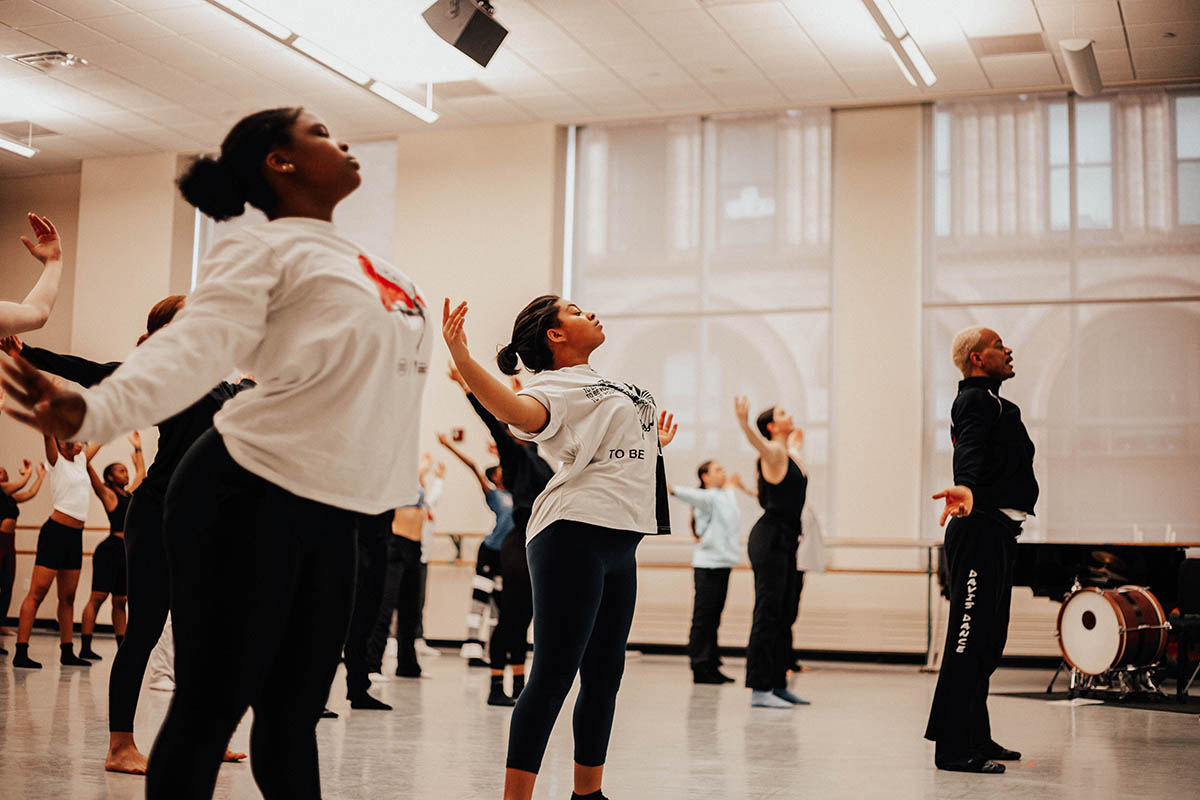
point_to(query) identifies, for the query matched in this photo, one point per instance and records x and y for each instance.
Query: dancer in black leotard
(525, 474)
(108, 560)
(145, 548)
(11, 494)
(772, 546)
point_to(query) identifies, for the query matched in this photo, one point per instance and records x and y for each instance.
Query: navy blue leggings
(584, 590)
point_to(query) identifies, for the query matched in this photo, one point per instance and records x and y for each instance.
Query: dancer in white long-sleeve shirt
(263, 509)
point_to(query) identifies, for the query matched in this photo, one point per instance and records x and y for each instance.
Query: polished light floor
(861, 738)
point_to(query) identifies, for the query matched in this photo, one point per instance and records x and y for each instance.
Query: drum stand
(1118, 683)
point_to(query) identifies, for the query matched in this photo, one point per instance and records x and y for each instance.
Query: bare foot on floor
(233, 757)
(126, 759)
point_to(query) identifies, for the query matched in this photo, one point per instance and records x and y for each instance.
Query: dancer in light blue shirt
(716, 524)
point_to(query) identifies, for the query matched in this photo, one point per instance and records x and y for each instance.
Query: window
(1097, 291)
(706, 242)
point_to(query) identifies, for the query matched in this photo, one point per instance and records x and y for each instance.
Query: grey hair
(965, 342)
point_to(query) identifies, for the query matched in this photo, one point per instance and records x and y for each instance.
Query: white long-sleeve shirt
(718, 521)
(338, 342)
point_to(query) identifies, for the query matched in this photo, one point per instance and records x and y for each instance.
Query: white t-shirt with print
(338, 341)
(605, 435)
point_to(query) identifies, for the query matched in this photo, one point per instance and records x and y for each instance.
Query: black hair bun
(210, 185)
(506, 359)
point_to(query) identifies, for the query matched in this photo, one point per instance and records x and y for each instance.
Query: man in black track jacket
(995, 490)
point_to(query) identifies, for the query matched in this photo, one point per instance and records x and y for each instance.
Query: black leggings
(772, 547)
(373, 535)
(8, 572)
(516, 601)
(584, 591)
(149, 591)
(277, 570)
(403, 587)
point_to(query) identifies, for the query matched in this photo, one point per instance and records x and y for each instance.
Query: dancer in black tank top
(12, 494)
(782, 486)
(108, 562)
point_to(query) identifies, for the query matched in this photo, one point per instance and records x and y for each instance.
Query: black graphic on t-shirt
(643, 401)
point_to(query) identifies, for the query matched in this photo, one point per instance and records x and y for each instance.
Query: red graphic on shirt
(394, 297)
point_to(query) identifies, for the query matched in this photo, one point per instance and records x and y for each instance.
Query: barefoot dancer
(108, 561)
(12, 493)
(145, 546)
(581, 542)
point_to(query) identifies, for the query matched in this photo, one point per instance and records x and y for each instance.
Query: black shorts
(108, 567)
(59, 547)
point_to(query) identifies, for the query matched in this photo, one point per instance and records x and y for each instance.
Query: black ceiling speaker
(469, 26)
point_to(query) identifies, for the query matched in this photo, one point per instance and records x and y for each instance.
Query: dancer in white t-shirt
(608, 492)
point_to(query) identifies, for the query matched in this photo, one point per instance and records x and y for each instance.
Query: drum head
(1089, 631)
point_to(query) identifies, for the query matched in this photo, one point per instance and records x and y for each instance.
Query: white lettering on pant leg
(964, 628)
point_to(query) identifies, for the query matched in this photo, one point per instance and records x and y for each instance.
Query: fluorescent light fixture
(918, 60)
(254, 17)
(401, 100)
(891, 18)
(903, 67)
(903, 47)
(18, 148)
(330, 60)
(360, 77)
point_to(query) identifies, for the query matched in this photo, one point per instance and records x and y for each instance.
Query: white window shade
(1098, 292)
(704, 244)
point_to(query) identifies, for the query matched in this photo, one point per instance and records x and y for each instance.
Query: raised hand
(26, 467)
(453, 331)
(41, 470)
(42, 404)
(666, 428)
(444, 440)
(10, 345)
(135, 439)
(48, 247)
(741, 409)
(735, 480)
(959, 502)
(440, 470)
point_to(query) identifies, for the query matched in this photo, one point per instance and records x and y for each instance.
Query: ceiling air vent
(50, 60)
(24, 130)
(1008, 45)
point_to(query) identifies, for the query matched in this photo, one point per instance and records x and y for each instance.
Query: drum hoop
(1156, 646)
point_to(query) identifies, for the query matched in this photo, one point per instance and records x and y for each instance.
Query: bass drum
(1100, 630)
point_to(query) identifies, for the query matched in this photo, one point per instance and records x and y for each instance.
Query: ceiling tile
(556, 104)
(625, 53)
(13, 42)
(643, 76)
(1114, 65)
(588, 79)
(116, 56)
(195, 19)
(1167, 62)
(1145, 12)
(85, 9)
(791, 40)
(1098, 15)
(963, 76)
(1154, 35)
(996, 17)
(69, 36)
(684, 24)
(567, 58)
(25, 13)
(643, 6)
(1021, 71)
(753, 16)
(878, 83)
(1105, 38)
(129, 27)
(744, 93)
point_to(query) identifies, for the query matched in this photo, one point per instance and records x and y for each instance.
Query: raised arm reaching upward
(33, 312)
(51, 445)
(9, 487)
(139, 461)
(484, 483)
(774, 454)
(32, 491)
(108, 498)
(522, 412)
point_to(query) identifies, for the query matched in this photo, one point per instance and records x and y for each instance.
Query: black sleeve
(974, 415)
(498, 430)
(73, 368)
